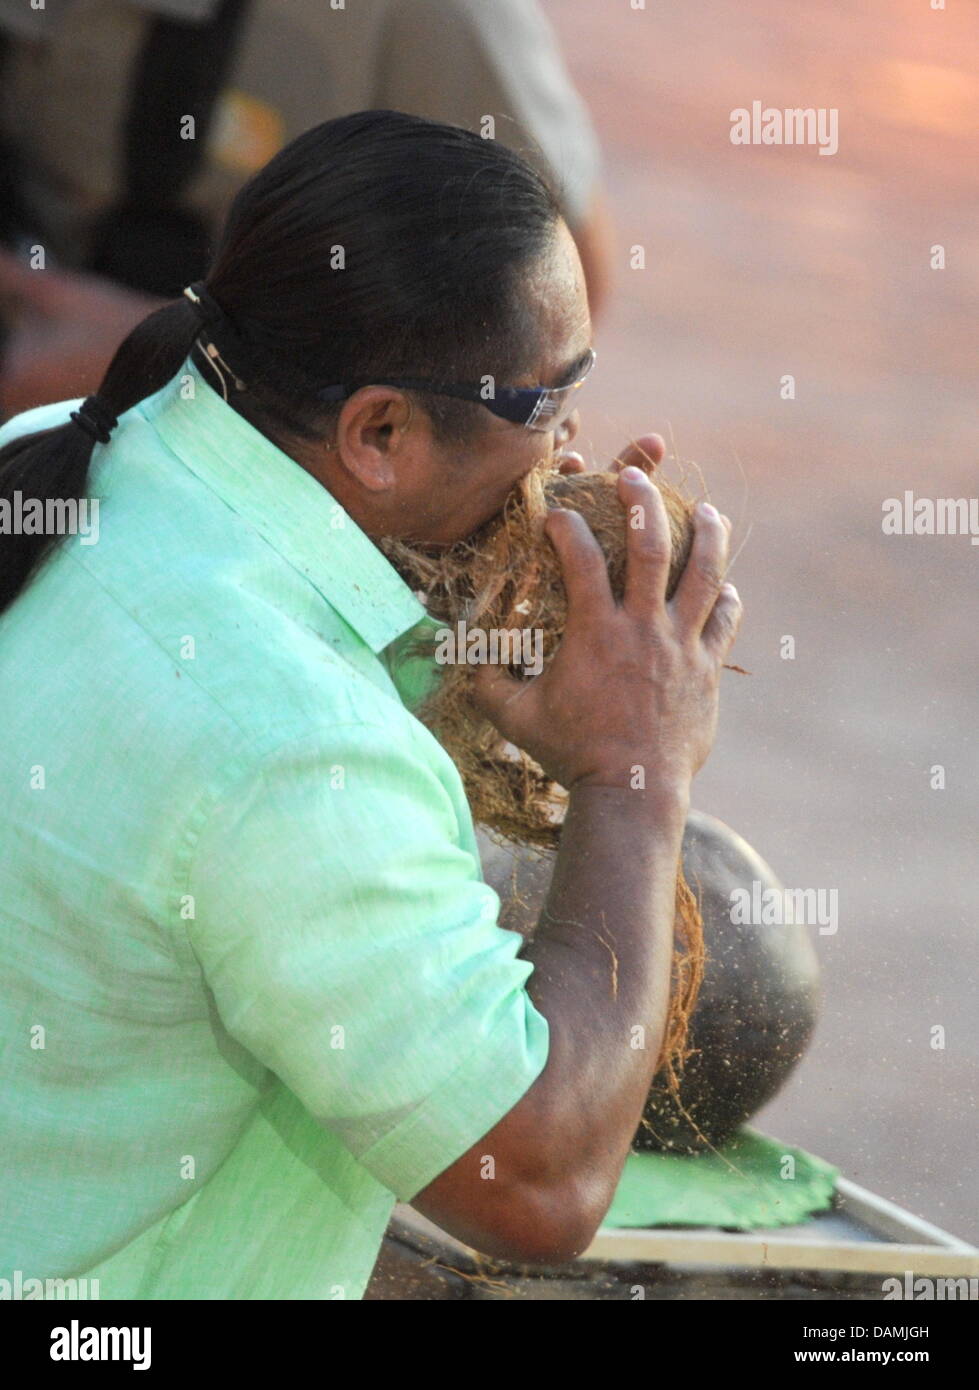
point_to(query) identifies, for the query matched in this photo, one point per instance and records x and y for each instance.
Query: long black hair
(375, 245)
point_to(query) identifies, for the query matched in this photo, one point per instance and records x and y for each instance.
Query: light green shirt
(253, 984)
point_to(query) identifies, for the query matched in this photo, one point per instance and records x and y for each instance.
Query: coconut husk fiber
(507, 576)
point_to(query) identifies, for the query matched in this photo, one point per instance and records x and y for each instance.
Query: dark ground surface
(763, 261)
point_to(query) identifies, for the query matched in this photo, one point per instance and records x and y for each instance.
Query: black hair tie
(95, 418)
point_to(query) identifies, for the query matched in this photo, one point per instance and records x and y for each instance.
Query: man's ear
(371, 433)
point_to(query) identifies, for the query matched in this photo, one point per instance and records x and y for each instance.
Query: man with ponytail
(254, 988)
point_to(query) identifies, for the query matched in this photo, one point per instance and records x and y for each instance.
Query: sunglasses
(541, 408)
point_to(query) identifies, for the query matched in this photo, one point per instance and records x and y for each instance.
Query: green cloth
(660, 1189)
(240, 889)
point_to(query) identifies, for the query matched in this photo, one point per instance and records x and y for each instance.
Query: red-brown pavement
(767, 261)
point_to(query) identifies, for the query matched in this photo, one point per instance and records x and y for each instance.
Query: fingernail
(730, 589)
(632, 474)
(707, 510)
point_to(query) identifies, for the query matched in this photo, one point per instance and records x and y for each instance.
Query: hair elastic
(95, 418)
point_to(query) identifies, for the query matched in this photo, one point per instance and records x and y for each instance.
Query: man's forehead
(560, 305)
(559, 367)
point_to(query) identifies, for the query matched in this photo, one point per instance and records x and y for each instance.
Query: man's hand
(62, 331)
(630, 681)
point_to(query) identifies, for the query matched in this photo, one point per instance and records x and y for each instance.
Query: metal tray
(861, 1232)
(847, 1252)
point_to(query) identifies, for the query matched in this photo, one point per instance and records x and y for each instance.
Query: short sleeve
(341, 922)
(462, 60)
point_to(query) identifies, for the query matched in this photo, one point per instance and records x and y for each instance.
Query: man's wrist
(662, 799)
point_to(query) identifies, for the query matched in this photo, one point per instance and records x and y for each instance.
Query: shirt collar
(293, 512)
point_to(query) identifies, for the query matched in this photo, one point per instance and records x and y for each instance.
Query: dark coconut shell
(758, 1000)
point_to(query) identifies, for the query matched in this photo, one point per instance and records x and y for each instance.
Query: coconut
(506, 577)
(758, 1002)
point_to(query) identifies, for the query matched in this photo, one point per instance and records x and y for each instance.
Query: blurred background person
(127, 126)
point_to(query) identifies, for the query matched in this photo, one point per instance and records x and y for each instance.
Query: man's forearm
(602, 954)
(628, 676)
